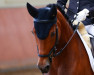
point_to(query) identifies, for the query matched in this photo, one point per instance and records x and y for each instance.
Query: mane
(62, 11)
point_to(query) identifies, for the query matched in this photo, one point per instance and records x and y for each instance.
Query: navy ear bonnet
(43, 27)
(43, 24)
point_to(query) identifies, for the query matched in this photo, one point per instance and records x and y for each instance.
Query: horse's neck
(65, 28)
(72, 55)
(66, 33)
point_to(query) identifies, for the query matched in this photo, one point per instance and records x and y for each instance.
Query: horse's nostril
(47, 67)
(44, 69)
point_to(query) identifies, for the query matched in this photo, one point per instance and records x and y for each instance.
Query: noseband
(52, 52)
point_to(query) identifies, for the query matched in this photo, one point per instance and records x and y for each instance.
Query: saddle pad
(91, 59)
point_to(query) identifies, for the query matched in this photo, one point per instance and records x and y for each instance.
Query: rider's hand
(81, 16)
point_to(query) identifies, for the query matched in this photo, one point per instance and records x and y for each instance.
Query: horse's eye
(52, 34)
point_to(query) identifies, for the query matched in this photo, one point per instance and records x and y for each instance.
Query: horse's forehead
(42, 30)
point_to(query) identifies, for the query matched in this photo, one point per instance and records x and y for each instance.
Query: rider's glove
(81, 16)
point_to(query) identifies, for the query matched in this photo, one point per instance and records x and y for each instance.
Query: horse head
(45, 32)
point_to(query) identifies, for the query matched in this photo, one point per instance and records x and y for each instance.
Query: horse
(58, 55)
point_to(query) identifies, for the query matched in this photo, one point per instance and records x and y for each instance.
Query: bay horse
(52, 32)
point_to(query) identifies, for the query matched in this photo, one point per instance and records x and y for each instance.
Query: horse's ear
(53, 11)
(32, 10)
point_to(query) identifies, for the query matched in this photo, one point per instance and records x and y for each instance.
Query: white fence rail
(22, 3)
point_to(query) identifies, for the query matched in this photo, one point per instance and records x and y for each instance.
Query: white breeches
(90, 30)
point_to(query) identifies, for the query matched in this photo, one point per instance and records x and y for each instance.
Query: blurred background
(18, 53)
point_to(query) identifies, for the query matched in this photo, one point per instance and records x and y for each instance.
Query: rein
(67, 42)
(53, 50)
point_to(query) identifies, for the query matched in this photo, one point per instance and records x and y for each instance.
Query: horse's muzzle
(44, 65)
(44, 69)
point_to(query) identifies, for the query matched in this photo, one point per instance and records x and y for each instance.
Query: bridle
(54, 47)
(52, 52)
